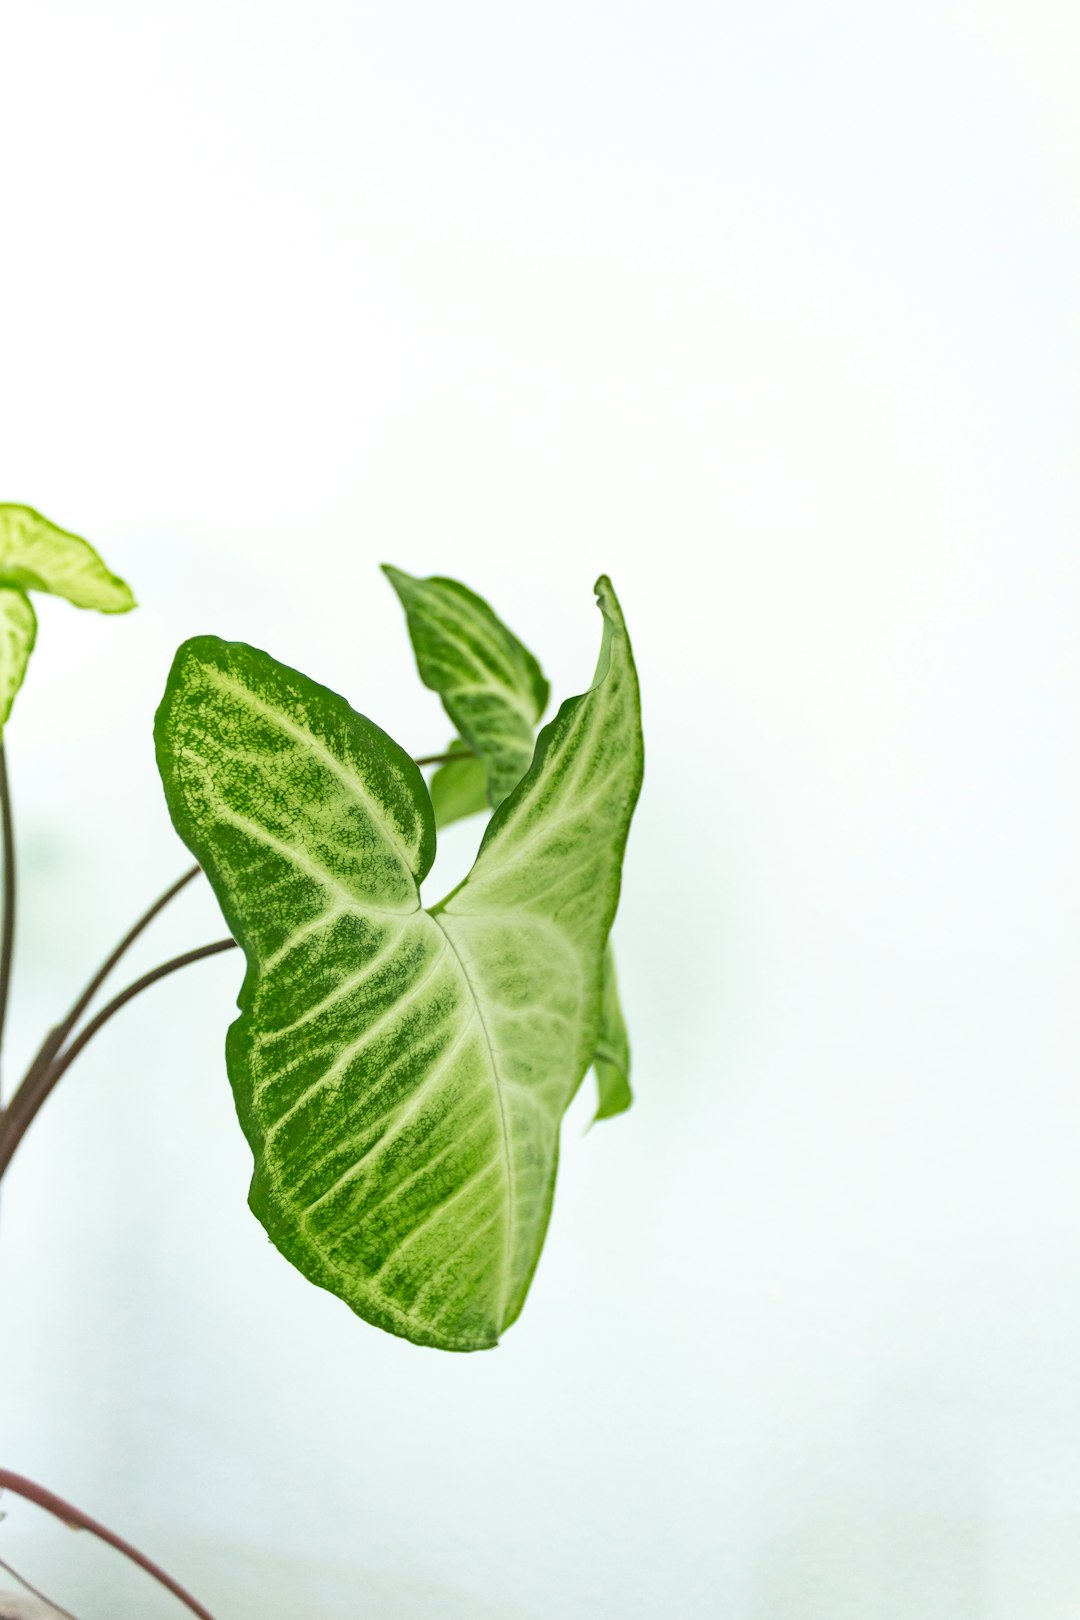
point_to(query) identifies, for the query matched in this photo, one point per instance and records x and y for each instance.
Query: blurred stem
(7, 925)
(76, 1519)
(35, 1591)
(56, 1037)
(35, 1089)
(446, 759)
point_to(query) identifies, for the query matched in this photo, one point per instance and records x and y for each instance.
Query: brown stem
(35, 1089)
(445, 759)
(77, 1520)
(56, 1037)
(128, 940)
(7, 925)
(35, 1591)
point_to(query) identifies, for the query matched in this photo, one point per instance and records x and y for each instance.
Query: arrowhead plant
(401, 1072)
(401, 1064)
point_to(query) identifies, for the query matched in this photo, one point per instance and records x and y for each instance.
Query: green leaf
(401, 1074)
(466, 653)
(18, 631)
(460, 787)
(490, 684)
(611, 1060)
(37, 556)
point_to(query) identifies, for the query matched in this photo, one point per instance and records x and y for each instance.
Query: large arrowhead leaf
(37, 556)
(401, 1074)
(490, 684)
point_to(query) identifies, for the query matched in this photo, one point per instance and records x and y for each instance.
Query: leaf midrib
(503, 1126)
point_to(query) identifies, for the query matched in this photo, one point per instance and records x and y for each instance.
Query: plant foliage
(37, 556)
(490, 685)
(401, 1073)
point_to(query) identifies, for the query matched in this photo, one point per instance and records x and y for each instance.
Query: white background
(770, 310)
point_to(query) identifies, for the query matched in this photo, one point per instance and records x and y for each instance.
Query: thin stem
(35, 1089)
(35, 1591)
(76, 1519)
(7, 925)
(445, 759)
(173, 965)
(128, 940)
(56, 1037)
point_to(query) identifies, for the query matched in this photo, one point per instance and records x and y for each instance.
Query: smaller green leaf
(37, 556)
(490, 684)
(611, 1059)
(18, 631)
(460, 787)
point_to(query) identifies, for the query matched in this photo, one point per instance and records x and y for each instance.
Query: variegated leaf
(37, 556)
(490, 684)
(401, 1074)
(445, 640)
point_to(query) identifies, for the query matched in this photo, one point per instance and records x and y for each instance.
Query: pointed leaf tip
(608, 602)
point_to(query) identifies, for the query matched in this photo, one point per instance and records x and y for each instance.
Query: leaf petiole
(76, 1519)
(7, 924)
(39, 1082)
(450, 758)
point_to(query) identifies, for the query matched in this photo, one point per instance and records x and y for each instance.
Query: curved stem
(35, 1089)
(56, 1037)
(128, 940)
(173, 965)
(76, 1519)
(35, 1591)
(7, 925)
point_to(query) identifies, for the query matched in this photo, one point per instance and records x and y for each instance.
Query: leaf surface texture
(481, 669)
(491, 686)
(401, 1074)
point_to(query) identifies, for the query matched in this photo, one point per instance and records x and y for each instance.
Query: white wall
(769, 310)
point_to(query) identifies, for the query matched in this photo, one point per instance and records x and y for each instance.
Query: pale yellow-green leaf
(35, 555)
(18, 628)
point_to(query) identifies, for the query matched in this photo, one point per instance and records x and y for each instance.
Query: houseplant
(400, 1072)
